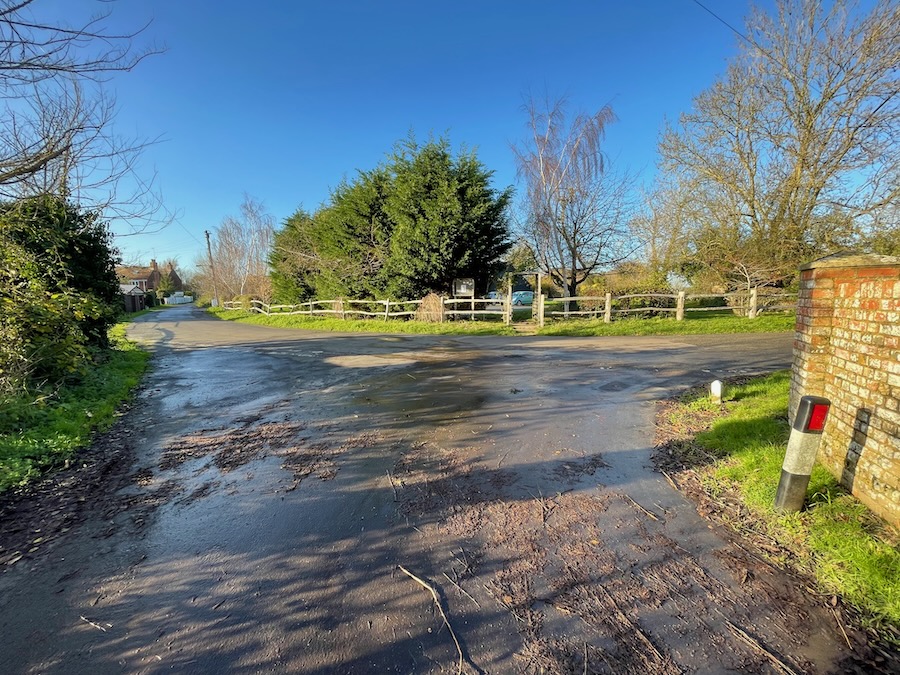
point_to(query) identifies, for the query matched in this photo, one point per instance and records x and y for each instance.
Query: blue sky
(282, 100)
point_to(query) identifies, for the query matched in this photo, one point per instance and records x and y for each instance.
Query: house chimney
(153, 265)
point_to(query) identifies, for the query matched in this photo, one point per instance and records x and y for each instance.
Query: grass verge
(36, 436)
(365, 325)
(692, 325)
(849, 552)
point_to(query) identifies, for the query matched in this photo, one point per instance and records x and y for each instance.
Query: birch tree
(576, 208)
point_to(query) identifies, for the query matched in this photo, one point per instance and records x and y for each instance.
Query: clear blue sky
(281, 100)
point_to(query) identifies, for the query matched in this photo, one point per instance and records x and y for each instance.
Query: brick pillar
(847, 349)
(815, 312)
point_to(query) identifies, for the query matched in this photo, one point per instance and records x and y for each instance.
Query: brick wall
(847, 348)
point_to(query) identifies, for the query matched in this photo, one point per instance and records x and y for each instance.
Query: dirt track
(250, 512)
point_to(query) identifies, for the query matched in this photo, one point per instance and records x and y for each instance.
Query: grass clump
(364, 325)
(45, 432)
(692, 325)
(847, 549)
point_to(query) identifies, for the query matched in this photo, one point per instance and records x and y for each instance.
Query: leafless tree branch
(576, 208)
(56, 115)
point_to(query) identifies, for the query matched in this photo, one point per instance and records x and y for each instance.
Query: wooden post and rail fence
(749, 303)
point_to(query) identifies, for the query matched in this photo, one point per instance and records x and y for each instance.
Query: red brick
(821, 294)
(845, 273)
(874, 272)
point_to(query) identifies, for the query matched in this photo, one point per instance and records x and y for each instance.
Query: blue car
(523, 298)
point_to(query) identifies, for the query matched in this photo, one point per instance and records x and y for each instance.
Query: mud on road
(251, 510)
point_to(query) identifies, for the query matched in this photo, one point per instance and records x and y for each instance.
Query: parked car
(523, 298)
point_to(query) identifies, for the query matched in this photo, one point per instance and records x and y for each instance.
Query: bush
(58, 292)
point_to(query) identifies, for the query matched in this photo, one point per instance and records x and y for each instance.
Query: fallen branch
(841, 626)
(437, 601)
(462, 590)
(393, 487)
(95, 625)
(650, 514)
(670, 479)
(780, 665)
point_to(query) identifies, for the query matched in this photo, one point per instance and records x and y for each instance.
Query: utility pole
(212, 269)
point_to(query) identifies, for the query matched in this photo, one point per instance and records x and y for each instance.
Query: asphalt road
(277, 480)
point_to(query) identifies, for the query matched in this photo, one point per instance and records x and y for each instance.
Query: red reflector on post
(811, 414)
(817, 417)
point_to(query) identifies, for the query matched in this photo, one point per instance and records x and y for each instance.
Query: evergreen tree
(401, 230)
(448, 221)
(352, 238)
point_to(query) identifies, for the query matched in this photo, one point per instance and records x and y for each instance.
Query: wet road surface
(279, 478)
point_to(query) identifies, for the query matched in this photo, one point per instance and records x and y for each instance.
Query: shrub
(58, 291)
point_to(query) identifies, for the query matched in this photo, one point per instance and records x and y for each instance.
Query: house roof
(130, 289)
(134, 272)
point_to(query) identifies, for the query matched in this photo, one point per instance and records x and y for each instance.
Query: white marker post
(715, 390)
(806, 433)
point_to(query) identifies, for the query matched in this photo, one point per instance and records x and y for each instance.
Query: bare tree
(801, 129)
(660, 228)
(56, 114)
(241, 252)
(576, 209)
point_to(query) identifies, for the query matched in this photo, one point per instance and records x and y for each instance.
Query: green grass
(39, 435)
(365, 325)
(707, 323)
(850, 552)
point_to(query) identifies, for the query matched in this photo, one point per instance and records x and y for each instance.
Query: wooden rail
(751, 303)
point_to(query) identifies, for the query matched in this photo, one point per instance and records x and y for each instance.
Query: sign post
(806, 433)
(465, 288)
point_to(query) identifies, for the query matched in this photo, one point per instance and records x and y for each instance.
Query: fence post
(541, 300)
(443, 315)
(751, 313)
(679, 307)
(387, 309)
(607, 309)
(508, 308)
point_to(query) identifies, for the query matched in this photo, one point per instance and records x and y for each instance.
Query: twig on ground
(780, 665)
(391, 481)
(509, 609)
(437, 601)
(841, 626)
(462, 590)
(670, 479)
(650, 514)
(95, 625)
(500, 461)
(542, 502)
(628, 622)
